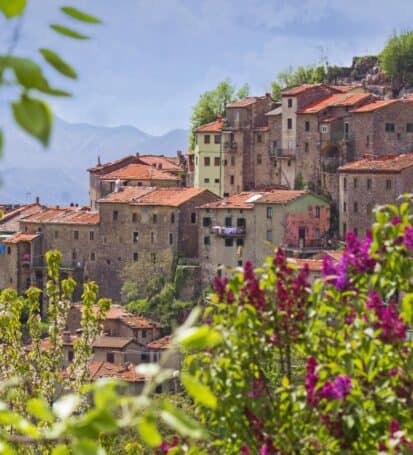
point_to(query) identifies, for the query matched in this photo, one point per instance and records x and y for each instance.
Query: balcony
(39, 262)
(229, 231)
(280, 153)
(230, 147)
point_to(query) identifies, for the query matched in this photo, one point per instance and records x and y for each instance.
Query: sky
(149, 60)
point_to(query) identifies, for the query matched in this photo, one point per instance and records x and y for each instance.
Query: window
(135, 257)
(70, 356)
(56, 234)
(8, 250)
(344, 207)
(143, 333)
(388, 184)
(259, 138)
(232, 160)
(206, 180)
(206, 221)
(115, 215)
(228, 221)
(355, 182)
(207, 240)
(409, 128)
(346, 130)
(229, 242)
(324, 129)
(217, 161)
(207, 161)
(110, 357)
(269, 212)
(216, 180)
(154, 218)
(76, 235)
(172, 218)
(367, 141)
(259, 159)
(145, 357)
(306, 147)
(356, 207)
(207, 139)
(152, 237)
(317, 212)
(231, 179)
(153, 258)
(290, 102)
(225, 162)
(74, 255)
(289, 163)
(307, 125)
(290, 123)
(389, 127)
(92, 256)
(135, 237)
(369, 184)
(158, 388)
(134, 217)
(171, 239)
(345, 184)
(344, 229)
(317, 233)
(240, 242)
(217, 139)
(269, 235)
(241, 222)
(356, 231)
(193, 217)
(240, 263)
(91, 235)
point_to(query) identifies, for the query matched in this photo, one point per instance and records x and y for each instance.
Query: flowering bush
(321, 369)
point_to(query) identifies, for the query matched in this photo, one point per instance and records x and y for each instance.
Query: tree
(33, 114)
(396, 60)
(213, 102)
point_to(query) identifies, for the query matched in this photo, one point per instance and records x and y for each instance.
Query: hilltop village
(297, 173)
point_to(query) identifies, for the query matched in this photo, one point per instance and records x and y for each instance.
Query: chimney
(137, 154)
(37, 200)
(72, 204)
(67, 337)
(99, 163)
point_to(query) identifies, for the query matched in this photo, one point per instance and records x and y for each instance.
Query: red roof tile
(379, 104)
(248, 199)
(336, 100)
(68, 215)
(162, 343)
(392, 164)
(171, 197)
(127, 194)
(138, 172)
(21, 237)
(107, 166)
(212, 127)
(305, 87)
(10, 221)
(161, 162)
(345, 88)
(102, 369)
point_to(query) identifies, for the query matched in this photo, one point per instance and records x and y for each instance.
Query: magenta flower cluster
(338, 389)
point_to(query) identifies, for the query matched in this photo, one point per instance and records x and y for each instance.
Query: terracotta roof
(314, 265)
(345, 88)
(102, 369)
(162, 343)
(136, 171)
(127, 194)
(171, 197)
(379, 104)
(247, 199)
(336, 100)
(21, 237)
(245, 102)
(68, 215)
(102, 341)
(161, 162)
(305, 87)
(382, 164)
(212, 127)
(10, 221)
(108, 165)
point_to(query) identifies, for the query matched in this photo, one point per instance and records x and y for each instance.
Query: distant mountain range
(58, 174)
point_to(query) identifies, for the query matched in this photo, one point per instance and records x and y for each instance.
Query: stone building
(208, 157)
(248, 225)
(367, 183)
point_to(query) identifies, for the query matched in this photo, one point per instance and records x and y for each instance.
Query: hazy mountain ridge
(58, 174)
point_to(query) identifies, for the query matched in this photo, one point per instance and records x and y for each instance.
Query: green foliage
(12, 8)
(57, 63)
(311, 74)
(66, 31)
(214, 102)
(396, 59)
(80, 15)
(299, 182)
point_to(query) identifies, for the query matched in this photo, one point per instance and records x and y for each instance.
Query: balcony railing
(280, 153)
(39, 262)
(229, 231)
(230, 146)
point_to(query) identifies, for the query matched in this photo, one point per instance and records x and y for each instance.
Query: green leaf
(198, 337)
(5, 449)
(66, 405)
(39, 408)
(407, 308)
(12, 8)
(148, 431)
(34, 116)
(68, 32)
(58, 64)
(182, 423)
(199, 392)
(80, 15)
(61, 450)
(87, 447)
